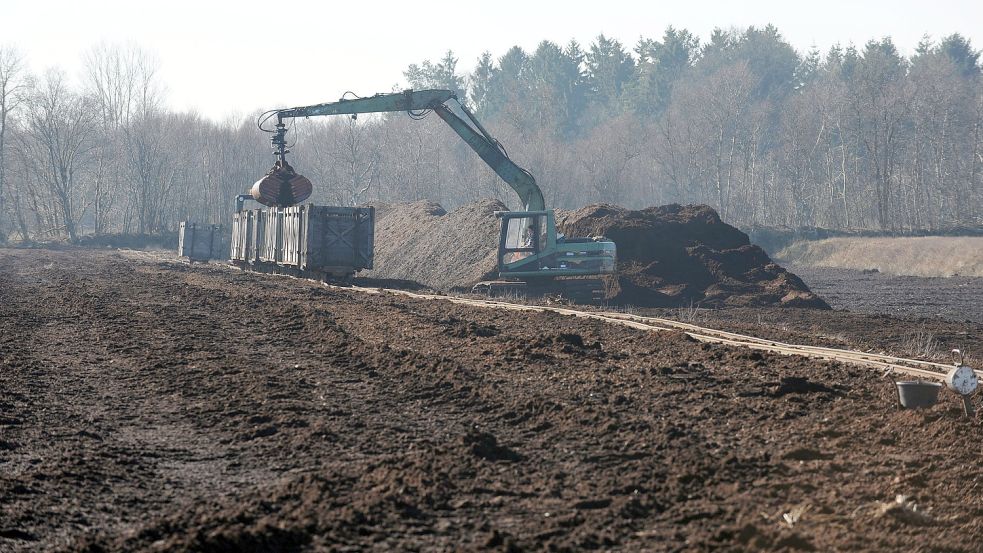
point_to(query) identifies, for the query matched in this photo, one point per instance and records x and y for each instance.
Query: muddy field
(921, 317)
(148, 405)
(958, 298)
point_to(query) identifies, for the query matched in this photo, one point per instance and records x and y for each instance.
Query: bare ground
(924, 256)
(921, 317)
(149, 405)
(957, 298)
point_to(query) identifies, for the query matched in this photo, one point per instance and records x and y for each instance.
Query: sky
(228, 59)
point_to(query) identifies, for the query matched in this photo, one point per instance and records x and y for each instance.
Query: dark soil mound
(667, 256)
(677, 255)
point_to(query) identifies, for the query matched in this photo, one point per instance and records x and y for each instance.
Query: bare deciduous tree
(123, 81)
(13, 84)
(59, 134)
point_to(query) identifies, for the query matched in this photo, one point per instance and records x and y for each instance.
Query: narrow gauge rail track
(888, 363)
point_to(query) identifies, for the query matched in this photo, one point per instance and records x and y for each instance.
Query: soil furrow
(152, 406)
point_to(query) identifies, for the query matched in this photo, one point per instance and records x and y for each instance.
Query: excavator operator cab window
(523, 236)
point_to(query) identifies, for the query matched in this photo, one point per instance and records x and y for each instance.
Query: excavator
(533, 259)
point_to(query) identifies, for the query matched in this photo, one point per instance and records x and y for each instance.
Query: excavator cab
(530, 247)
(524, 235)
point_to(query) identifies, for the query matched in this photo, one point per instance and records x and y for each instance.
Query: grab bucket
(915, 394)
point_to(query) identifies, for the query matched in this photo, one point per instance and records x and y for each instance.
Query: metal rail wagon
(199, 242)
(322, 242)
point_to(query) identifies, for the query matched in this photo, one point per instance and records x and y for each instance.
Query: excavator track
(585, 291)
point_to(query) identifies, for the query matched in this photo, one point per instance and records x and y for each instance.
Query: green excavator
(533, 258)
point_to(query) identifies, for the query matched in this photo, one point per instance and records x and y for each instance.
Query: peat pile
(676, 255)
(668, 256)
(422, 242)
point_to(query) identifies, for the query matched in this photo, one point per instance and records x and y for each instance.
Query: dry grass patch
(930, 256)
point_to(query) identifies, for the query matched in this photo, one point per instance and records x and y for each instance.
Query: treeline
(850, 138)
(107, 157)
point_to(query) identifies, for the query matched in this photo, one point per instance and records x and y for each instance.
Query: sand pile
(667, 256)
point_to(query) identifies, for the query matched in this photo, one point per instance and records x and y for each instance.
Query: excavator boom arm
(489, 150)
(473, 134)
(399, 101)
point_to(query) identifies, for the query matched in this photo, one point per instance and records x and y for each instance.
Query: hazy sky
(225, 58)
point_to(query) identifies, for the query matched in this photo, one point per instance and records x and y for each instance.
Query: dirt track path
(151, 405)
